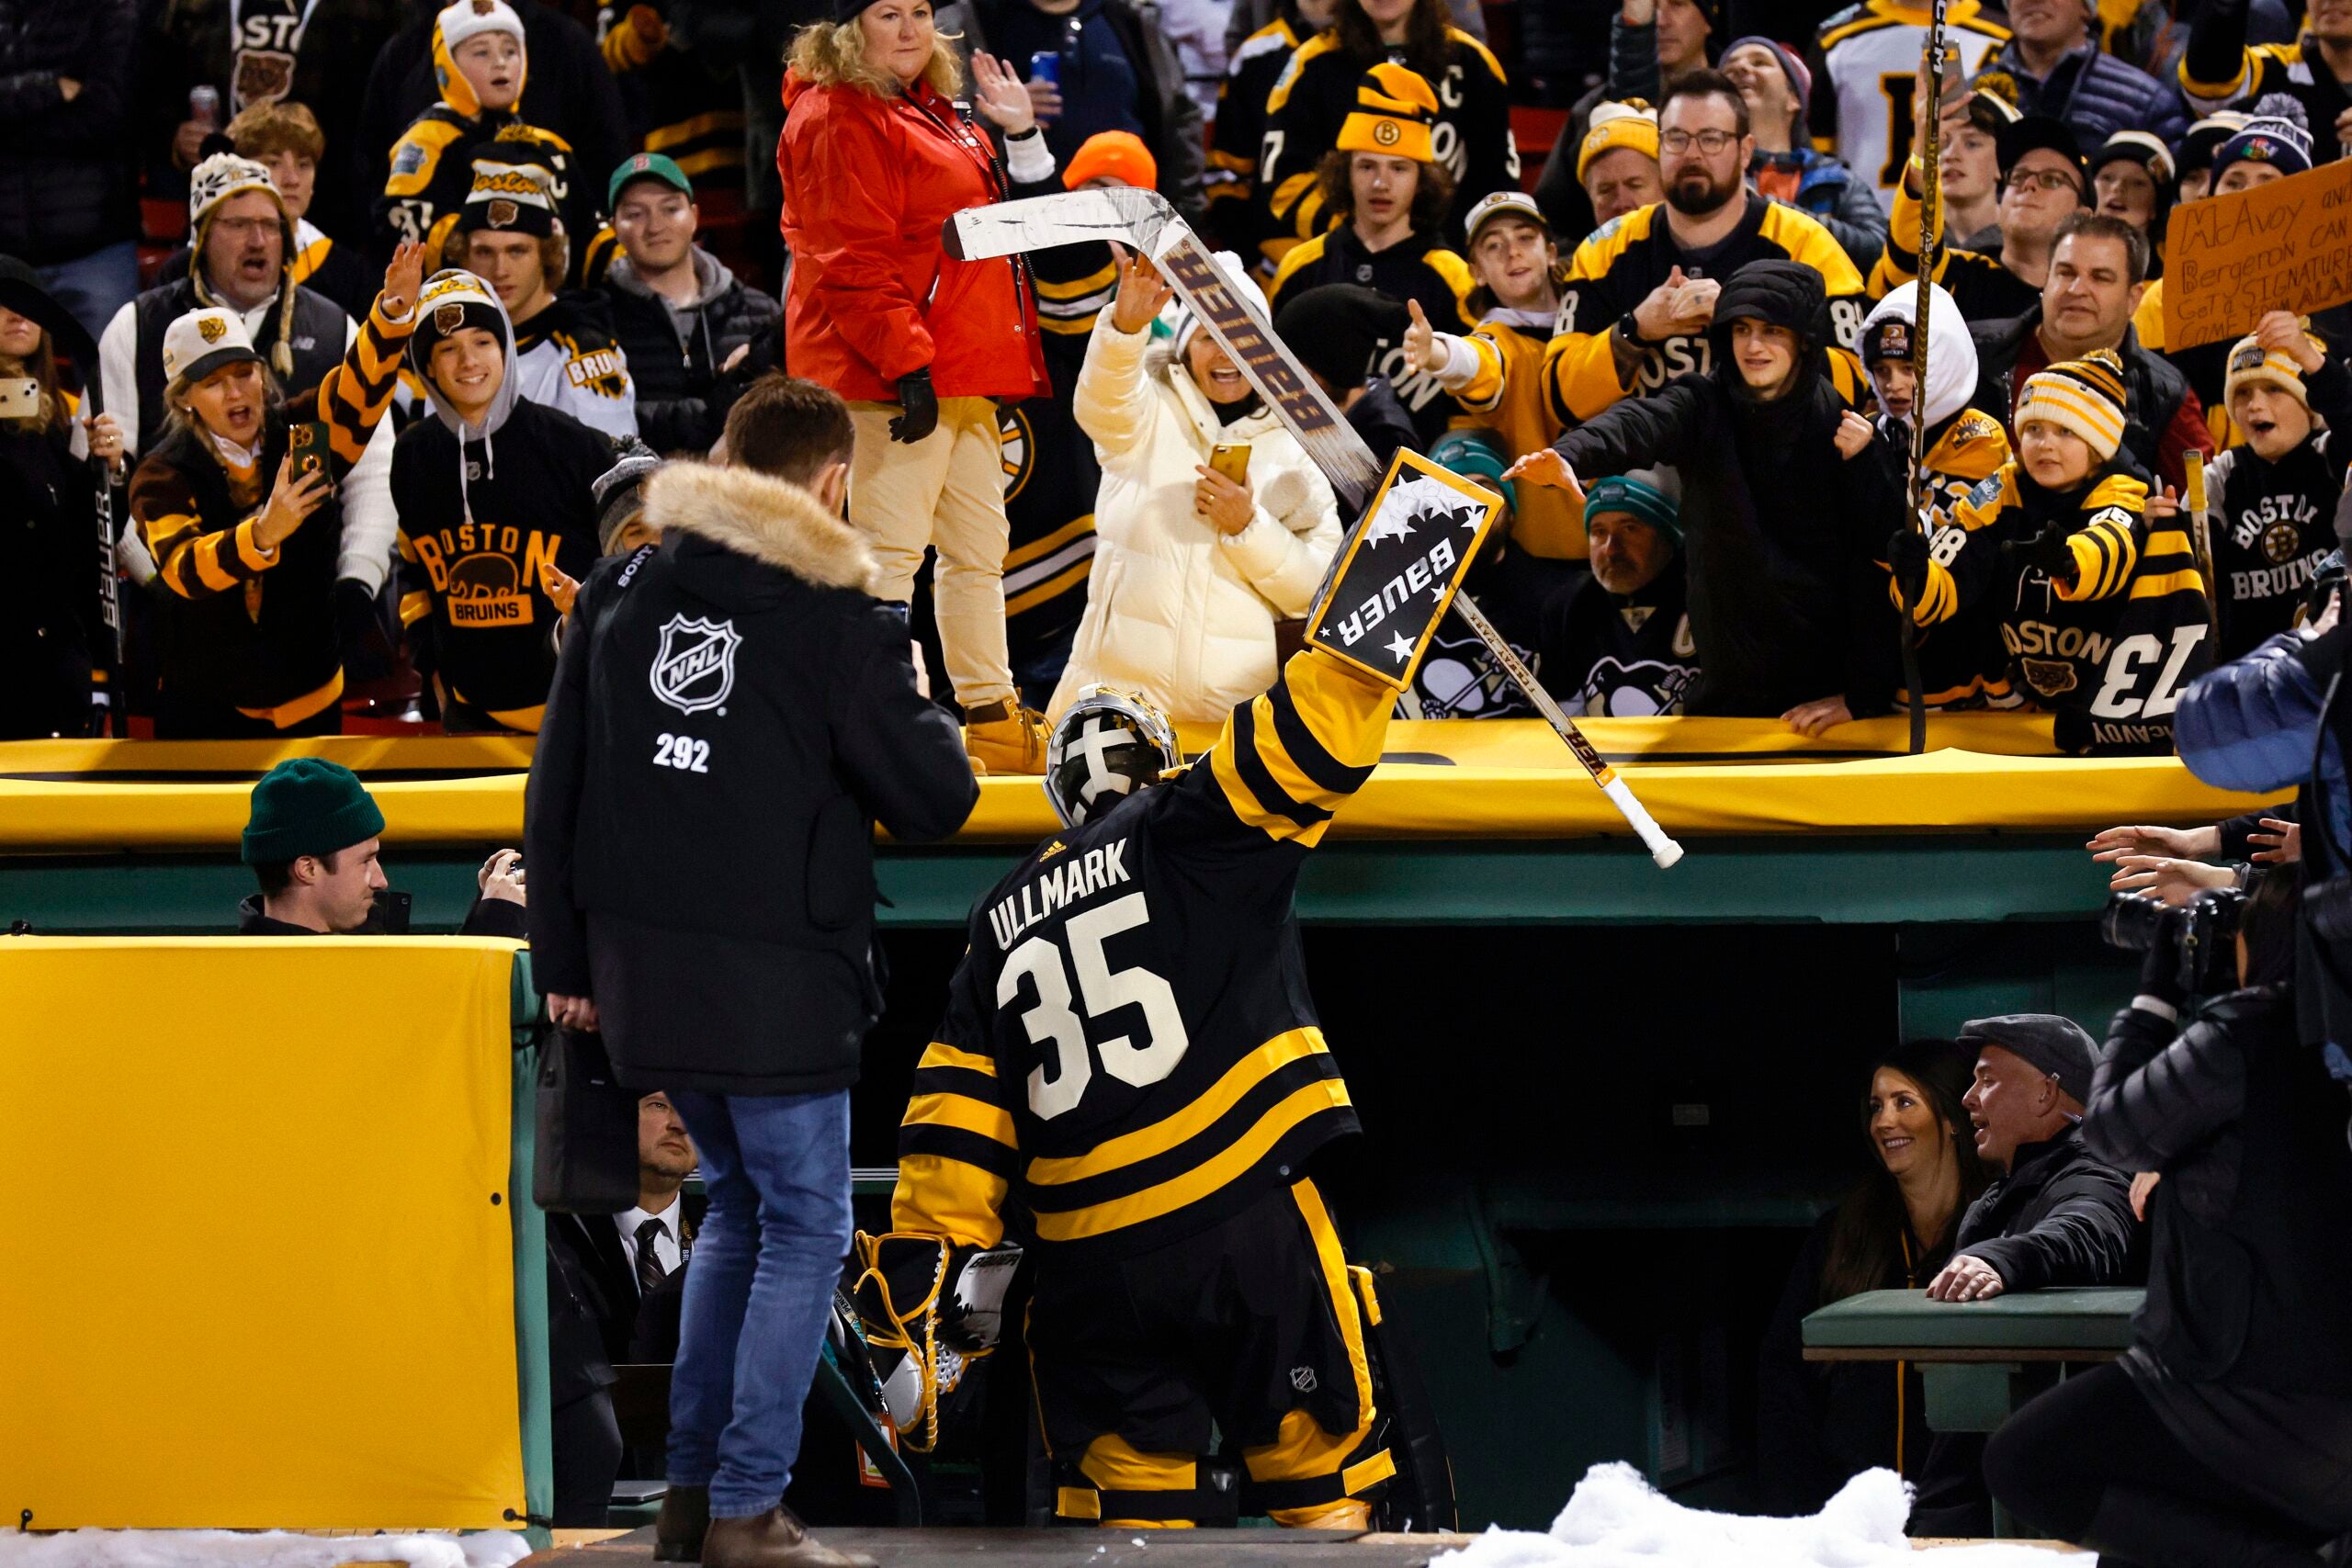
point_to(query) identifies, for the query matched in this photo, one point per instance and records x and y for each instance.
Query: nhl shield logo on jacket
(695, 667)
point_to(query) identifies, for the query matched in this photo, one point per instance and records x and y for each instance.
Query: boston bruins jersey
(1129, 1050)
(1984, 289)
(1237, 139)
(2271, 530)
(1632, 253)
(2110, 652)
(1418, 267)
(1962, 663)
(1507, 396)
(433, 168)
(1865, 68)
(2299, 69)
(565, 357)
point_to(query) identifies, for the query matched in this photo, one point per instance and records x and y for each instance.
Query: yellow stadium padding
(1444, 779)
(272, 1286)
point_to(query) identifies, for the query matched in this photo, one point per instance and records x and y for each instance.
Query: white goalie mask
(1109, 745)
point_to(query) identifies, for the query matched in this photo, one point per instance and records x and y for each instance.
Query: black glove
(921, 405)
(1906, 557)
(2047, 550)
(367, 652)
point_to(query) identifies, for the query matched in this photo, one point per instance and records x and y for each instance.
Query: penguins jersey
(1129, 1048)
(1961, 664)
(1865, 62)
(1632, 254)
(2111, 652)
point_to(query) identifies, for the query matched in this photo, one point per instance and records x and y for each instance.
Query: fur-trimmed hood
(755, 515)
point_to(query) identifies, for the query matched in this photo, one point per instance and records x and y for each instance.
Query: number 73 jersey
(1129, 1046)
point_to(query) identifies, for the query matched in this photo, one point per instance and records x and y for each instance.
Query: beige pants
(947, 492)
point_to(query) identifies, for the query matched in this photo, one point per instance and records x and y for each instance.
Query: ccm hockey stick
(1144, 220)
(1929, 253)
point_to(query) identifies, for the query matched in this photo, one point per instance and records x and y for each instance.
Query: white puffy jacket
(1176, 611)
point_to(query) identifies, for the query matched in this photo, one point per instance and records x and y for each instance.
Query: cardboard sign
(1399, 574)
(2282, 246)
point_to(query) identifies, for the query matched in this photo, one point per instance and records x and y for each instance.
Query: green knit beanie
(1475, 454)
(1642, 502)
(307, 805)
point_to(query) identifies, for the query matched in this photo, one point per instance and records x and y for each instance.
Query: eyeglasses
(1709, 142)
(244, 227)
(2041, 179)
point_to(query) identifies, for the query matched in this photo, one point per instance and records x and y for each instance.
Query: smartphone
(1046, 65)
(1232, 460)
(19, 397)
(308, 443)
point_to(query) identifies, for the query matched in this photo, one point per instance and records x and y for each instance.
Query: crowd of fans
(1705, 297)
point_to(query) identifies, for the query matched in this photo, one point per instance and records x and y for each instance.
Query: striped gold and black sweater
(1129, 1050)
(240, 625)
(2109, 649)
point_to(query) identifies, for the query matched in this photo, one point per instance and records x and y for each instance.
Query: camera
(2198, 932)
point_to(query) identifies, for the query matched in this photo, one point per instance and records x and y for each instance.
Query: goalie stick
(1144, 220)
(1929, 256)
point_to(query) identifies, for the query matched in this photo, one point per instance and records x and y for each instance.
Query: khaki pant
(947, 492)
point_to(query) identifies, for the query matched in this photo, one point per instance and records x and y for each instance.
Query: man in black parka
(736, 716)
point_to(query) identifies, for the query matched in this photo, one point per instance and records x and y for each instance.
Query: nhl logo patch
(1303, 1379)
(695, 667)
(501, 214)
(212, 329)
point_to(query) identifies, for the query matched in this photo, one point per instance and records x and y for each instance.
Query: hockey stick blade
(1131, 217)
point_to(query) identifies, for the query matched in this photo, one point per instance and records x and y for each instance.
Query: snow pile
(1617, 1521)
(268, 1549)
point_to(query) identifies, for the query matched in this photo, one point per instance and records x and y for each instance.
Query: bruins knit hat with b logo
(1394, 108)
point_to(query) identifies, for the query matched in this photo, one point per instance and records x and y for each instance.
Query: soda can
(204, 107)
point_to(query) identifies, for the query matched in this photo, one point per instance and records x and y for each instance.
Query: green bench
(1978, 1361)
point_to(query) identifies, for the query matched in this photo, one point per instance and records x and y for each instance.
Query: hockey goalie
(1130, 1071)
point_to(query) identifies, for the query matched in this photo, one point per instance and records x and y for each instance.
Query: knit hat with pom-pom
(2277, 133)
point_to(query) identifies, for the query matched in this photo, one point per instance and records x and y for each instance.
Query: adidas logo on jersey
(1050, 850)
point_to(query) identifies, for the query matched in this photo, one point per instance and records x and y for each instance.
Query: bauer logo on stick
(1401, 570)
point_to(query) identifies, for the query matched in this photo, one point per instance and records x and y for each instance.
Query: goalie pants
(945, 491)
(1252, 1328)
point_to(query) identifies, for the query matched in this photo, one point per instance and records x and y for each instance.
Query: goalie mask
(1109, 745)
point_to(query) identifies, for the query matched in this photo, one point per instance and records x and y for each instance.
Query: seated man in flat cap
(312, 842)
(2054, 1216)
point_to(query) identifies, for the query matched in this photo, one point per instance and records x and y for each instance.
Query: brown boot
(773, 1540)
(1004, 737)
(685, 1520)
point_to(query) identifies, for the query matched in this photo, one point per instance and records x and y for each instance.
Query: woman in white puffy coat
(1191, 570)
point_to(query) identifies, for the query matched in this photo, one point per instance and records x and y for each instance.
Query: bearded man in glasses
(1641, 291)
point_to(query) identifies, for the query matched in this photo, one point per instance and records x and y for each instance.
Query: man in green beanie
(1618, 646)
(313, 842)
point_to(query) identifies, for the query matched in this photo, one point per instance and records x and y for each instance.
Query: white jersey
(586, 376)
(1865, 69)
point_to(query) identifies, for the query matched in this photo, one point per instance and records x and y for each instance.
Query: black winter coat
(2062, 1217)
(1776, 525)
(700, 823)
(66, 169)
(673, 357)
(2249, 1278)
(51, 621)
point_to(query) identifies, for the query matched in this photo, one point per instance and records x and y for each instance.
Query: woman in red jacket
(874, 158)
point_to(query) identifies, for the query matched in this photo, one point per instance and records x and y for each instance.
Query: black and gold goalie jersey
(1129, 1047)
(2109, 650)
(1591, 362)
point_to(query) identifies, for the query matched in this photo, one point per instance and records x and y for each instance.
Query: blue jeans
(93, 287)
(766, 1263)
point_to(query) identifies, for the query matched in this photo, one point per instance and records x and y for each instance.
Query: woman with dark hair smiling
(1818, 1424)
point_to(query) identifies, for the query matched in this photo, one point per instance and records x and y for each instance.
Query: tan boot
(1004, 737)
(774, 1540)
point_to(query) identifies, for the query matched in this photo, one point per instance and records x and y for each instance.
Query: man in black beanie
(1336, 330)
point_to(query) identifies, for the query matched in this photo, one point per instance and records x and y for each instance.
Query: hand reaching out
(1142, 291)
(561, 586)
(2278, 842)
(403, 276)
(1422, 350)
(1000, 98)
(2174, 880)
(2181, 843)
(1546, 466)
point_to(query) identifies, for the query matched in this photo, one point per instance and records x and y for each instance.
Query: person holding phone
(1211, 523)
(246, 546)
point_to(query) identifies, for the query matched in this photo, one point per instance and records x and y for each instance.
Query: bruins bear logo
(212, 329)
(487, 591)
(2050, 677)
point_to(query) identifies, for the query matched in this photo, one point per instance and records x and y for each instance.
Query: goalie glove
(929, 1311)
